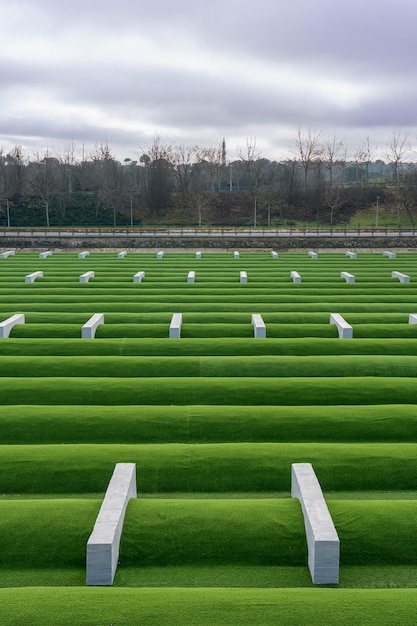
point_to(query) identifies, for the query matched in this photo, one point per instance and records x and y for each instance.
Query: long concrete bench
(259, 328)
(137, 278)
(104, 542)
(322, 539)
(5, 255)
(243, 277)
(351, 255)
(412, 318)
(7, 325)
(390, 255)
(82, 255)
(345, 330)
(191, 277)
(198, 255)
(274, 254)
(175, 326)
(30, 278)
(349, 278)
(296, 278)
(236, 254)
(313, 255)
(88, 331)
(44, 255)
(160, 254)
(122, 255)
(403, 278)
(84, 278)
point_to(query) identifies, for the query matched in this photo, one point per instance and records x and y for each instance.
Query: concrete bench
(313, 255)
(390, 255)
(30, 278)
(5, 255)
(191, 277)
(351, 255)
(243, 277)
(322, 539)
(259, 328)
(44, 255)
(160, 254)
(122, 255)
(103, 544)
(198, 255)
(274, 254)
(7, 325)
(84, 278)
(403, 278)
(349, 278)
(296, 278)
(137, 278)
(345, 330)
(175, 326)
(412, 318)
(82, 255)
(88, 331)
(236, 254)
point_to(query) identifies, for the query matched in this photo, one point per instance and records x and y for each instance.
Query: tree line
(193, 185)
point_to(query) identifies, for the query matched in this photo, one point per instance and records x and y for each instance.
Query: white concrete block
(198, 255)
(104, 542)
(243, 277)
(322, 539)
(122, 255)
(274, 254)
(236, 254)
(403, 278)
(191, 277)
(88, 331)
(5, 255)
(351, 255)
(82, 255)
(345, 330)
(412, 318)
(160, 254)
(84, 278)
(259, 327)
(296, 278)
(30, 278)
(349, 278)
(7, 325)
(44, 255)
(137, 278)
(313, 255)
(390, 255)
(175, 326)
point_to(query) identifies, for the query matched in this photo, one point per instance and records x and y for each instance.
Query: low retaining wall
(229, 242)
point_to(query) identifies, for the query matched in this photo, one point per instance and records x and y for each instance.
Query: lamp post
(377, 210)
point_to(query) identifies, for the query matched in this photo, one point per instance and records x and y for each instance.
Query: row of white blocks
(103, 544)
(88, 330)
(322, 539)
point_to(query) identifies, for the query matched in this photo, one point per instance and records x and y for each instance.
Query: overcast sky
(84, 71)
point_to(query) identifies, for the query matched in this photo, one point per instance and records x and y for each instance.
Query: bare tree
(252, 164)
(157, 160)
(396, 151)
(334, 153)
(309, 150)
(44, 179)
(363, 156)
(108, 179)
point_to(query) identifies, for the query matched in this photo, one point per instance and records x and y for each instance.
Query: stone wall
(229, 242)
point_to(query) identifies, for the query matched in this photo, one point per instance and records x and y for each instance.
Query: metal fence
(208, 232)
